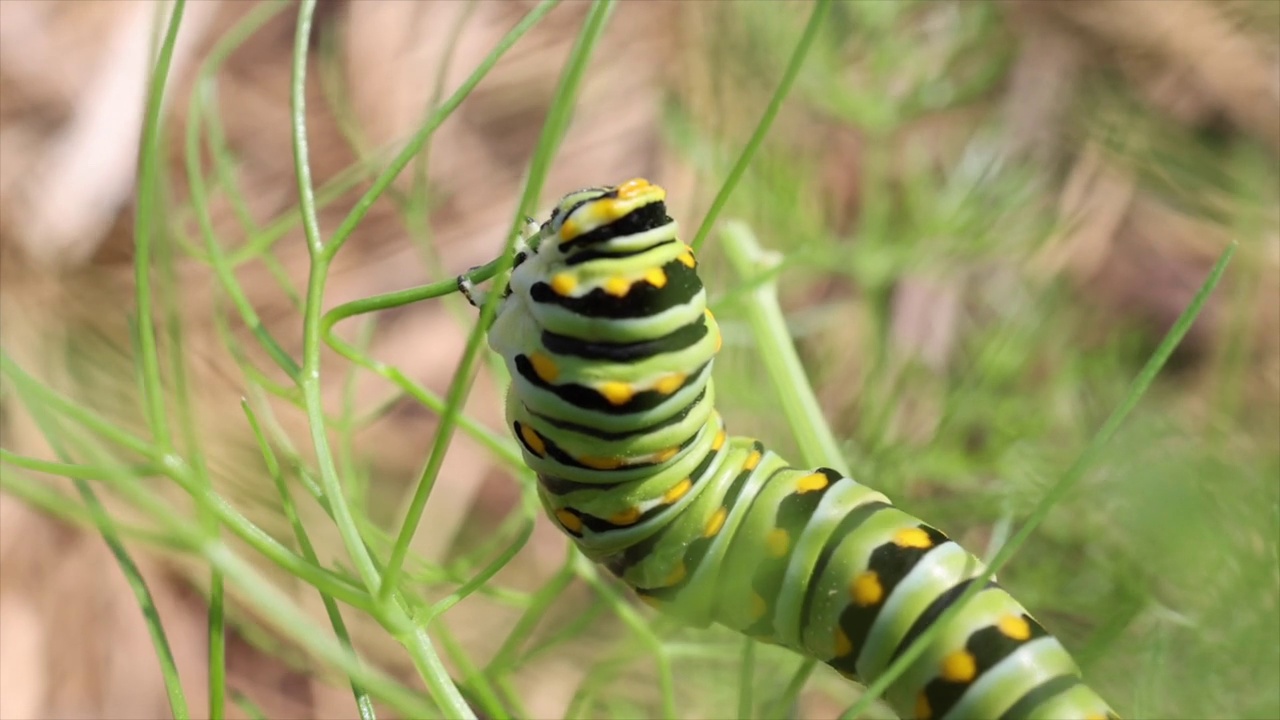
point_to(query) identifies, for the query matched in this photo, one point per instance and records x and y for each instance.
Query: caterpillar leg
(522, 249)
(474, 295)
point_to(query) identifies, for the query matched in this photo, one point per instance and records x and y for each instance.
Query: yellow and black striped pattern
(609, 342)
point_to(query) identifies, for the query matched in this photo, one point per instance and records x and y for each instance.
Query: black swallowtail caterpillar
(605, 330)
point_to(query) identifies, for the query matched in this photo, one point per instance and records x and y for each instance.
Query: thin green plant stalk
(76, 471)
(254, 375)
(348, 178)
(263, 595)
(782, 705)
(504, 660)
(552, 133)
(766, 121)
(364, 704)
(177, 470)
(249, 707)
(389, 614)
(49, 427)
(324, 255)
(202, 102)
(282, 612)
(38, 494)
(480, 686)
(412, 148)
(215, 625)
(1059, 490)
(120, 481)
(479, 579)
(275, 229)
(817, 444)
(639, 626)
(144, 230)
(570, 631)
(392, 609)
(417, 214)
(499, 445)
(356, 487)
(244, 28)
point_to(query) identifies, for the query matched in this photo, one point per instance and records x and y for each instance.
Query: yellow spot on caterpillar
(866, 589)
(626, 517)
(752, 460)
(568, 231)
(687, 258)
(1095, 716)
(810, 483)
(617, 393)
(617, 286)
(719, 341)
(666, 455)
(677, 491)
(715, 523)
(600, 463)
(758, 606)
(719, 441)
(563, 283)
(656, 277)
(545, 367)
(778, 542)
(923, 711)
(959, 667)
(677, 574)
(670, 383)
(569, 521)
(844, 645)
(532, 440)
(1015, 627)
(912, 538)
(632, 188)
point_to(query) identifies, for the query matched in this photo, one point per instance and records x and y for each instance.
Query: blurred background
(990, 213)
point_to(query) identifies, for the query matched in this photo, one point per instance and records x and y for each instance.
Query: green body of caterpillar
(609, 343)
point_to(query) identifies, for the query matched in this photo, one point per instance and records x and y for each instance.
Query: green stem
(818, 445)
(460, 385)
(363, 703)
(57, 440)
(391, 614)
(177, 470)
(143, 230)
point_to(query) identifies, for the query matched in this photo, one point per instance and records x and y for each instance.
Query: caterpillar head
(594, 216)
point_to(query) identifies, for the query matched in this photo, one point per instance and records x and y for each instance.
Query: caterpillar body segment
(609, 343)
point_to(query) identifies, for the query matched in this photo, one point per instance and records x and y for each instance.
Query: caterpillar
(606, 334)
